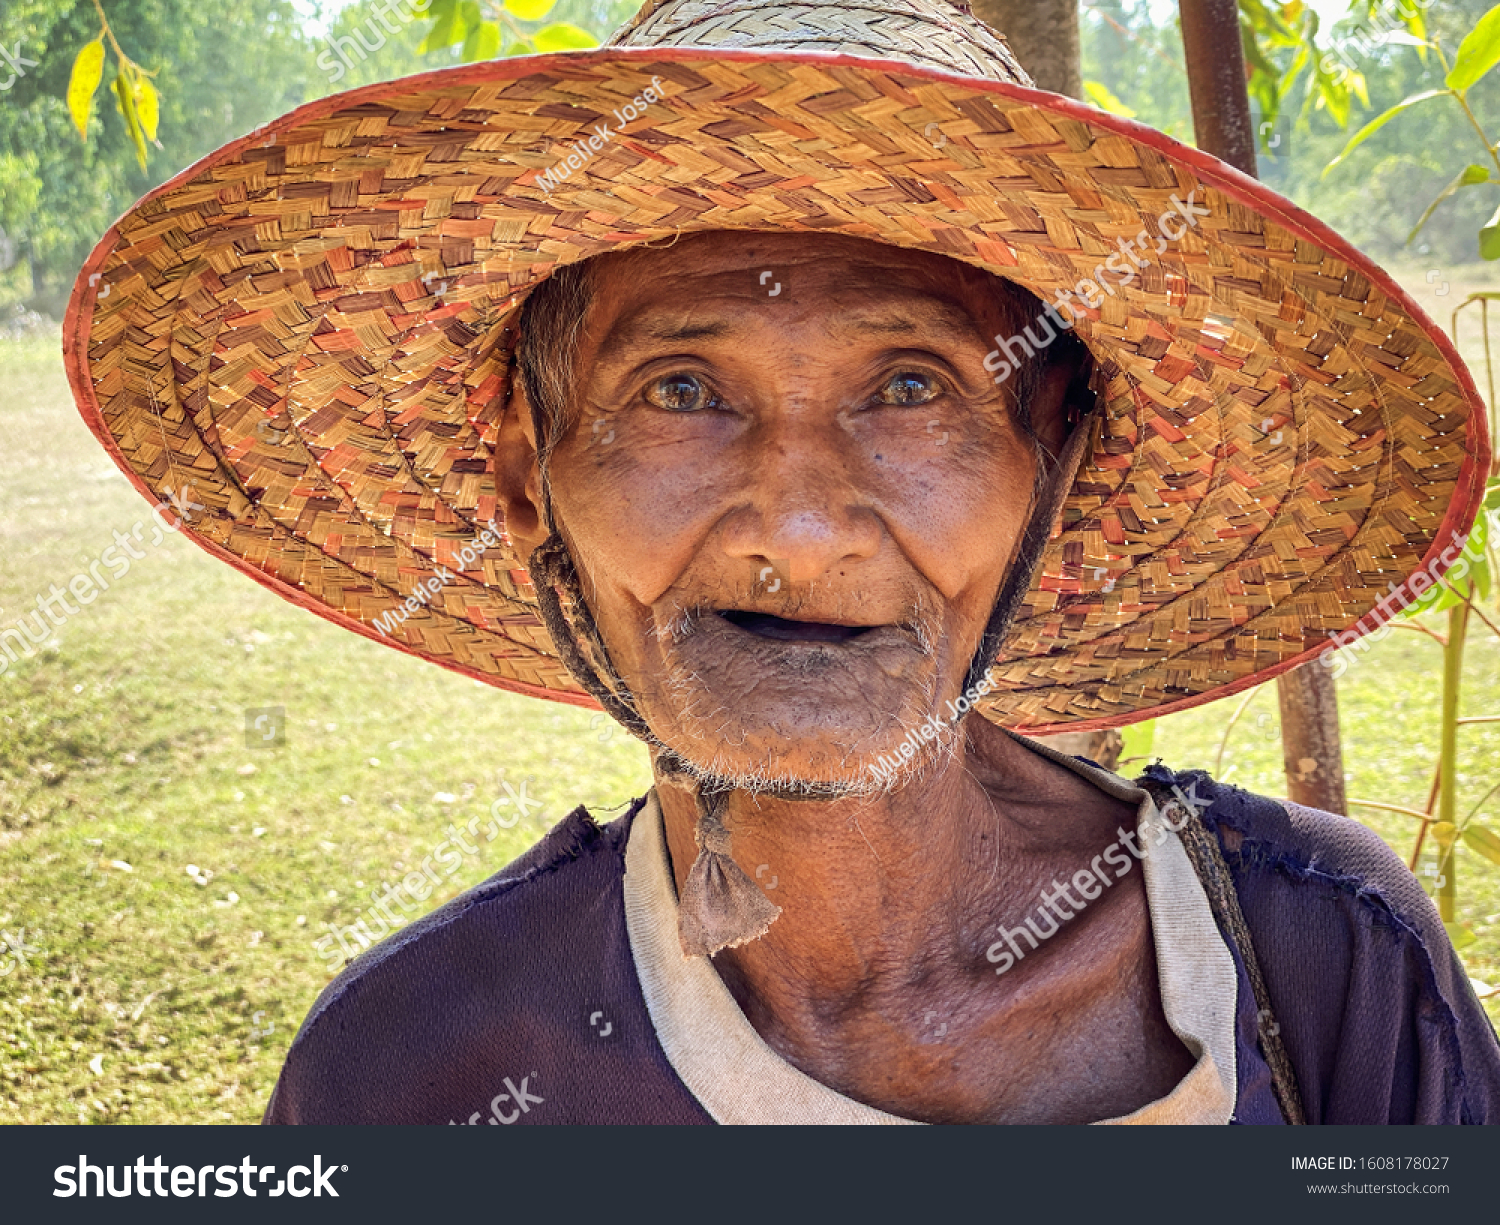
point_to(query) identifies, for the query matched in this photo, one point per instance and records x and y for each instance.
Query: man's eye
(681, 393)
(908, 388)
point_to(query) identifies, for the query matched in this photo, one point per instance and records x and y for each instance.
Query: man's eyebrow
(640, 330)
(686, 331)
(912, 317)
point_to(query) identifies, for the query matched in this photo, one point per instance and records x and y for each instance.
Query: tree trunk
(1044, 36)
(1310, 747)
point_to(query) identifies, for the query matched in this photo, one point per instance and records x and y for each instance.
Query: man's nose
(802, 514)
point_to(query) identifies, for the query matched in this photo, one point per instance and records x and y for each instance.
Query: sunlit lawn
(144, 993)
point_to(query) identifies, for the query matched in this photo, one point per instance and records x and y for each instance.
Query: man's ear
(518, 477)
(1062, 400)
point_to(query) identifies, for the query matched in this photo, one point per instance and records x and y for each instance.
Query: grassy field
(163, 874)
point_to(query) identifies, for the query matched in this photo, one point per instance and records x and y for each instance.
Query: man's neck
(888, 908)
(871, 888)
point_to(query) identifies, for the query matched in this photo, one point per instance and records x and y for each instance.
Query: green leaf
(563, 36)
(1486, 842)
(1475, 583)
(1479, 575)
(1138, 738)
(88, 71)
(1466, 179)
(1101, 97)
(147, 106)
(448, 27)
(529, 10)
(1478, 53)
(1415, 23)
(1334, 96)
(1460, 935)
(482, 42)
(1489, 237)
(468, 22)
(1380, 121)
(125, 100)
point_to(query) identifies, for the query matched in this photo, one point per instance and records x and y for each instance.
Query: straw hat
(310, 335)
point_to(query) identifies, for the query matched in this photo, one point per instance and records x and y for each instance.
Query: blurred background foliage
(227, 67)
(1134, 50)
(223, 68)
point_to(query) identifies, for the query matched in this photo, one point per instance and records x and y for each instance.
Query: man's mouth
(782, 629)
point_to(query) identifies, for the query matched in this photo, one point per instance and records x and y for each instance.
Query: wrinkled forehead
(702, 283)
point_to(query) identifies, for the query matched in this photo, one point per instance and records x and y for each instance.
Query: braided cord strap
(1208, 862)
(550, 567)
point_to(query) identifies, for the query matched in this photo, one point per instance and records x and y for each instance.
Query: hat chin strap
(720, 906)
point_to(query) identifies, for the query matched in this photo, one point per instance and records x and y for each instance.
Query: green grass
(153, 998)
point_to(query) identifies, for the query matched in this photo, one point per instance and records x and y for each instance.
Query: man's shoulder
(1374, 1005)
(1309, 849)
(428, 1023)
(575, 862)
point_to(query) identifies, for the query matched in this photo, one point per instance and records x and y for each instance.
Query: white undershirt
(738, 1078)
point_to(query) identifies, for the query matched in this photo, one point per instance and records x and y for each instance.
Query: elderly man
(818, 505)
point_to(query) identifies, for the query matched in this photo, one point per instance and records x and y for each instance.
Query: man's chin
(804, 768)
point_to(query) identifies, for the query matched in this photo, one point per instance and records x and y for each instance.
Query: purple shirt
(519, 1002)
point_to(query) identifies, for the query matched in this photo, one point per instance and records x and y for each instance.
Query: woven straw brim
(312, 330)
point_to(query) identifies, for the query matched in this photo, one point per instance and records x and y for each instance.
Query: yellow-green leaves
(462, 24)
(449, 26)
(1100, 95)
(1489, 238)
(562, 36)
(529, 10)
(1486, 842)
(147, 105)
(135, 97)
(125, 104)
(1478, 53)
(88, 71)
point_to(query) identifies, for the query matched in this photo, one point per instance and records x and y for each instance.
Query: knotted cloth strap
(1208, 862)
(721, 907)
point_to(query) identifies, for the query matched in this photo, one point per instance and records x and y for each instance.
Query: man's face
(793, 491)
